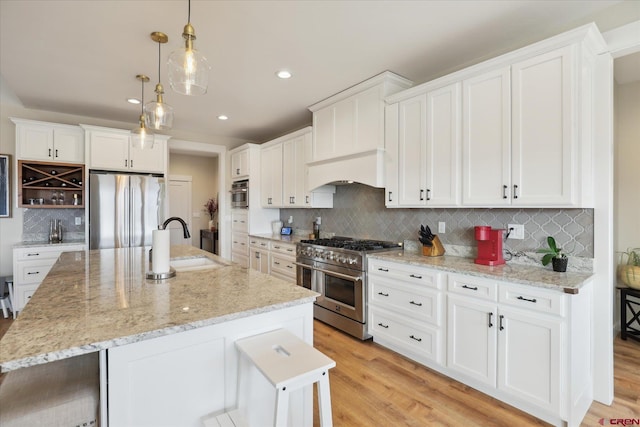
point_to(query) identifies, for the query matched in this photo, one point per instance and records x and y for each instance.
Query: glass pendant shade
(188, 69)
(157, 114)
(141, 137)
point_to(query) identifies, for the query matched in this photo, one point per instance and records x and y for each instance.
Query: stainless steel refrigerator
(124, 209)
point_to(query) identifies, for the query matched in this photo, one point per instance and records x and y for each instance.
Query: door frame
(189, 219)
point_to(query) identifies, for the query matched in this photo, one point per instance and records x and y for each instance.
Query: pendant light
(157, 114)
(141, 137)
(188, 68)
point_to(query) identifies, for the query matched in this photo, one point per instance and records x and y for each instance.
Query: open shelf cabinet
(50, 185)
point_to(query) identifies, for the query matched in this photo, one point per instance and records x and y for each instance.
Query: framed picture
(5, 186)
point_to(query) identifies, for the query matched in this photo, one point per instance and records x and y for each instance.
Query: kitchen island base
(183, 378)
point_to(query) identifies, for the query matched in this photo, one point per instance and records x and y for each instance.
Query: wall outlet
(290, 220)
(78, 220)
(442, 227)
(318, 220)
(517, 231)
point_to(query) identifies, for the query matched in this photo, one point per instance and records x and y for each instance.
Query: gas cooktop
(352, 244)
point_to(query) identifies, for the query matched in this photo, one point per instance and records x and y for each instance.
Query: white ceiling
(81, 57)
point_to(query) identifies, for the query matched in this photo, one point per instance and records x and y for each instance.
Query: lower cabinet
(259, 254)
(527, 346)
(31, 265)
(240, 237)
(406, 310)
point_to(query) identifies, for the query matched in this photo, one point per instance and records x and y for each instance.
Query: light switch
(78, 220)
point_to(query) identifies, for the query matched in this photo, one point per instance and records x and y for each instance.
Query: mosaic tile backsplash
(359, 211)
(35, 225)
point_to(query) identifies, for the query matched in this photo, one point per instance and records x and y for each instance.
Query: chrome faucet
(185, 230)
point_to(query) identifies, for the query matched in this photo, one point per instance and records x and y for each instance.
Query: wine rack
(50, 185)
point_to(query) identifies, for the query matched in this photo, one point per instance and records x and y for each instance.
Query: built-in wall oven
(240, 194)
(336, 269)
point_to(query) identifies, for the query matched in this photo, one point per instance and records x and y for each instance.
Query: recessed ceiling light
(135, 101)
(284, 74)
(222, 117)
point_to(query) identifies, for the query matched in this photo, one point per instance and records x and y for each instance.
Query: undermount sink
(200, 263)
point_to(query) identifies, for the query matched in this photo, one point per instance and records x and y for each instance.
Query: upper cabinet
(348, 132)
(427, 140)
(49, 142)
(512, 131)
(240, 164)
(284, 171)
(110, 149)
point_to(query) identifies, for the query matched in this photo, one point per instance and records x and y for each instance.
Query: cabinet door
(271, 176)
(443, 128)
(147, 160)
(529, 357)
(391, 155)
(68, 145)
(544, 146)
(486, 141)
(240, 164)
(323, 133)
(259, 260)
(412, 151)
(294, 167)
(35, 142)
(471, 338)
(109, 150)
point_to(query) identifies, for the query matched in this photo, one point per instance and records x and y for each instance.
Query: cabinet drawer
(284, 248)
(33, 271)
(421, 340)
(473, 286)
(283, 265)
(23, 294)
(43, 252)
(259, 243)
(531, 298)
(239, 243)
(239, 222)
(418, 302)
(405, 272)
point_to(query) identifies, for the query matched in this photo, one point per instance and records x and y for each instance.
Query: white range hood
(365, 168)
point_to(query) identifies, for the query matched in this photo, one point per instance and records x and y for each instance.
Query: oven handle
(333, 273)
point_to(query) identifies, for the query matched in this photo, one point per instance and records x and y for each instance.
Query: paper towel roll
(161, 247)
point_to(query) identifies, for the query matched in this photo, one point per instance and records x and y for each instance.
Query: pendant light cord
(142, 103)
(159, 79)
(189, 13)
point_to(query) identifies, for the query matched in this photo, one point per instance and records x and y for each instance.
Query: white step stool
(289, 364)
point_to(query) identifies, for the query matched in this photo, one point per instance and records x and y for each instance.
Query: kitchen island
(160, 343)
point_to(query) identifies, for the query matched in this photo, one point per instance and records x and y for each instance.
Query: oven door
(341, 291)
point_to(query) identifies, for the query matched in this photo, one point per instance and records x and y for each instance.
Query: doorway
(180, 195)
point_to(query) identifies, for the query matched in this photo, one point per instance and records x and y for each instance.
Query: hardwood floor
(372, 386)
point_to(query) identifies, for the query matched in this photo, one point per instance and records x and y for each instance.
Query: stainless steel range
(336, 269)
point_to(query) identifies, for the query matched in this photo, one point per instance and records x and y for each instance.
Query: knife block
(436, 250)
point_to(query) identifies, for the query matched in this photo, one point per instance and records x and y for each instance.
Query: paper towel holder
(161, 276)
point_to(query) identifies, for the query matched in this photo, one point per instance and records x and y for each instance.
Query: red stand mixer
(489, 245)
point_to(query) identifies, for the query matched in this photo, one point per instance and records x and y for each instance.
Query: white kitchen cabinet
(486, 146)
(31, 265)
(240, 237)
(283, 174)
(49, 141)
(406, 310)
(271, 176)
(259, 254)
(514, 340)
(110, 149)
(282, 257)
(519, 146)
(240, 164)
(428, 146)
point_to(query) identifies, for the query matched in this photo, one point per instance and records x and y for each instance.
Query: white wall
(204, 173)
(627, 166)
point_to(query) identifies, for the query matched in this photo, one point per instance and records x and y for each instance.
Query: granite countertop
(94, 300)
(526, 275)
(47, 243)
(280, 238)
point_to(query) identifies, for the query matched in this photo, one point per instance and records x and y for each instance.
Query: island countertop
(98, 299)
(526, 275)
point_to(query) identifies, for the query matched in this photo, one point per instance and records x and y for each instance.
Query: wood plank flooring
(372, 386)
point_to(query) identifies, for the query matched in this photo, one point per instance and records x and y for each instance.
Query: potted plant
(555, 255)
(211, 207)
(629, 271)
